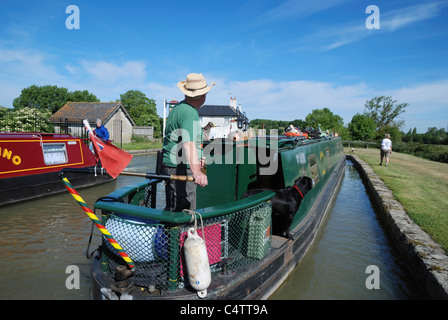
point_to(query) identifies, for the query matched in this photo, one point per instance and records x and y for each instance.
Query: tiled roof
(217, 111)
(88, 110)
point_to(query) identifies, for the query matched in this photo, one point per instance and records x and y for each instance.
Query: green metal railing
(236, 235)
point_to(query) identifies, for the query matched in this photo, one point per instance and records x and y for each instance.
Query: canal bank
(143, 151)
(426, 261)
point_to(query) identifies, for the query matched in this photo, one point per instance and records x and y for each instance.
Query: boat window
(328, 157)
(313, 167)
(54, 153)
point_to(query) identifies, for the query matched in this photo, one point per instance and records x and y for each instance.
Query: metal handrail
(171, 217)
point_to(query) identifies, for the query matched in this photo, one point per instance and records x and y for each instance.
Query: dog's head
(304, 184)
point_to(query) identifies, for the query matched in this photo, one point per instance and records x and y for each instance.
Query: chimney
(233, 102)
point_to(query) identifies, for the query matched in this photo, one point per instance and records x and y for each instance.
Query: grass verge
(420, 185)
(141, 145)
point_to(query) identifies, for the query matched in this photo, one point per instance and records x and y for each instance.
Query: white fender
(196, 260)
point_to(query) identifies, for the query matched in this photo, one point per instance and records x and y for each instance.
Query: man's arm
(195, 165)
(106, 134)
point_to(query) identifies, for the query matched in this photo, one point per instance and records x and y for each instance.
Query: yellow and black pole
(98, 223)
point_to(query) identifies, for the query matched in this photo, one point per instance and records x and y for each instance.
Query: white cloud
(428, 105)
(33, 64)
(334, 36)
(260, 98)
(129, 71)
(107, 80)
(23, 68)
(297, 9)
(267, 99)
(399, 18)
(434, 93)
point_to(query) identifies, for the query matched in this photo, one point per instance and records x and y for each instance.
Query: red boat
(30, 163)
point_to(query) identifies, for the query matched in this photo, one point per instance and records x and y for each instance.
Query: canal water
(352, 257)
(42, 241)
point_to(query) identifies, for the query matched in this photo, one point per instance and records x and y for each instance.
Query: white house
(222, 119)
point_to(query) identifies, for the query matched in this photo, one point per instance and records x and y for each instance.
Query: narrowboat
(247, 259)
(31, 161)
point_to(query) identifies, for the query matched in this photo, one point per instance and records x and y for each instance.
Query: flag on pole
(113, 159)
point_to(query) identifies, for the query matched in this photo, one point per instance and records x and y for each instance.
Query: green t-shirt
(182, 125)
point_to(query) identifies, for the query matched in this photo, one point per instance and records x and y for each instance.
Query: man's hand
(199, 178)
(195, 165)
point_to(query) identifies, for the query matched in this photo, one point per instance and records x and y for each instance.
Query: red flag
(113, 159)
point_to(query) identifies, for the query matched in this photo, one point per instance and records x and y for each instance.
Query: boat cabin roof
(31, 135)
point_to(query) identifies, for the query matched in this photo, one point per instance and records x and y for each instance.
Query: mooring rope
(194, 219)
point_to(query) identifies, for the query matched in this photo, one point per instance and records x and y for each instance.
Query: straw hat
(195, 85)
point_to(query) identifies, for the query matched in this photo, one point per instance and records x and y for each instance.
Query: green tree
(81, 96)
(344, 133)
(408, 136)
(299, 123)
(395, 133)
(3, 112)
(50, 98)
(142, 110)
(325, 120)
(362, 127)
(384, 111)
(412, 136)
(434, 136)
(416, 137)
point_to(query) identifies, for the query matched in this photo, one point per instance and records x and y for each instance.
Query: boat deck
(277, 241)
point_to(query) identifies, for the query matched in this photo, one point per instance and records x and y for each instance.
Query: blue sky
(281, 59)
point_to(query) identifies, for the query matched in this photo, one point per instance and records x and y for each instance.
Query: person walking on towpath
(386, 149)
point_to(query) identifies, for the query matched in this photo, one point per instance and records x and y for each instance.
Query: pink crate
(212, 242)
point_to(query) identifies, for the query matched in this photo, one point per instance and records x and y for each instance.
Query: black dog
(285, 204)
